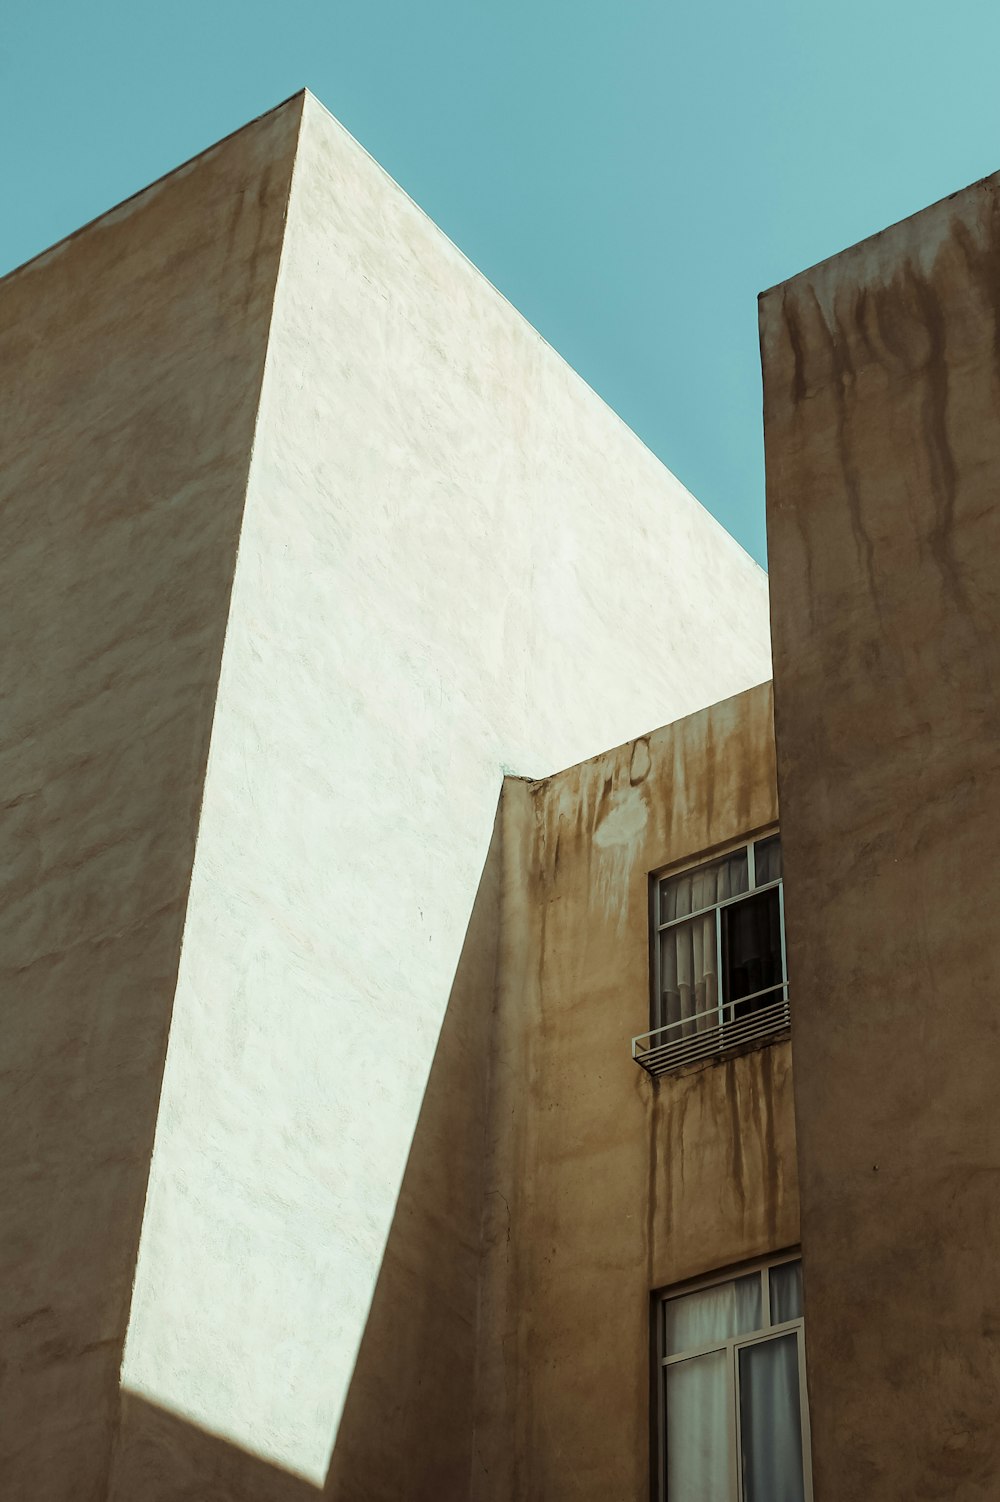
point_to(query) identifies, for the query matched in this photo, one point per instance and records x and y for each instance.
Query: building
(306, 545)
(882, 431)
(399, 1083)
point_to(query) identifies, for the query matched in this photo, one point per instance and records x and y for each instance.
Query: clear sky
(630, 173)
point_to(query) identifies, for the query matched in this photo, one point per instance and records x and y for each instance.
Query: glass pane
(693, 890)
(767, 860)
(752, 948)
(699, 1468)
(689, 979)
(770, 1421)
(714, 1313)
(786, 1292)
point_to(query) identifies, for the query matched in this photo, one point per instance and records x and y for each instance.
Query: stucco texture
(603, 1184)
(882, 426)
(131, 358)
(309, 539)
(454, 561)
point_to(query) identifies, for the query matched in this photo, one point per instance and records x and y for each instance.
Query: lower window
(733, 1424)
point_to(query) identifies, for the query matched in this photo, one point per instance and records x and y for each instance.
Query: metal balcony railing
(706, 1035)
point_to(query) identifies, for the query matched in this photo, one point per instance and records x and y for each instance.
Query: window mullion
(718, 971)
(657, 1017)
(691, 1354)
(767, 1332)
(804, 1415)
(661, 1397)
(735, 1438)
(702, 912)
(698, 912)
(781, 926)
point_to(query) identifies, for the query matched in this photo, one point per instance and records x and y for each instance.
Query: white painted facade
(455, 561)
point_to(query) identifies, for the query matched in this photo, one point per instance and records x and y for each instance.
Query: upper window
(733, 1421)
(719, 978)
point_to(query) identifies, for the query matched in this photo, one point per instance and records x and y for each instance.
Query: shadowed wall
(406, 1429)
(438, 518)
(423, 597)
(882, 426)
(551, 1185)
(407, 1424)
(131, 360)
(602, 1183)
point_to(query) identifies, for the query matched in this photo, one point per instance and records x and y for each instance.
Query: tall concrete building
(398, 1085)
(309, 540)
(882, 429)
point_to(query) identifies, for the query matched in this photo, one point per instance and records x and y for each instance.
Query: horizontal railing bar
(707, 1041)
(757, 1016)
(713, 1039)
(727, 1006)
(695, 1056)
(714, 1011)
(759, 1020)
(668, 1066)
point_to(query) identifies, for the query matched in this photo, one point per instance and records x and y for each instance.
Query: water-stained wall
(602, 1184)
(882, 426)
(422, 599)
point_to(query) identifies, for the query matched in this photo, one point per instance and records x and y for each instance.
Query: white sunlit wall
(455, 561)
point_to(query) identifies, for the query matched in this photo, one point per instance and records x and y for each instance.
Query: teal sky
(630, 174)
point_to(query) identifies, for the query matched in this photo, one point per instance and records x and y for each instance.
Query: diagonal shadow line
(407, 1423)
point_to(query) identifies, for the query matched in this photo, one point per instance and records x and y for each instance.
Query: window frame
(732, 1346)
(709, 858)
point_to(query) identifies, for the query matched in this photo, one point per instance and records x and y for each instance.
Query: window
(733, 1421)
(719, 977)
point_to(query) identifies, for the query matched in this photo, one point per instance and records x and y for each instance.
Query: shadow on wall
(406, 1429)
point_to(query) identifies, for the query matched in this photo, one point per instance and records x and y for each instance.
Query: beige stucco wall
(130, 365)
(455, 561)
(882, 425)
(603, 1184)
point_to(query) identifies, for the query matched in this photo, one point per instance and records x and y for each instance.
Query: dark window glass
(786, 1292)
(767, 860)
(770, 1421)
(751, 951)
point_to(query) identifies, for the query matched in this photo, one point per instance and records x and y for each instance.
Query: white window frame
(671, 873)
(732, 1346)
(724, 1029)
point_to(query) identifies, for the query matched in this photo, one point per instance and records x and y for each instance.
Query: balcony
(708, 1035)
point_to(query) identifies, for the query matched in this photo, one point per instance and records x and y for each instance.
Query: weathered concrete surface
(454, 560)
(131, 358)
(408, 1417)
(153, 1443)
(414, 1378)
(882, 425)
(602, 1184)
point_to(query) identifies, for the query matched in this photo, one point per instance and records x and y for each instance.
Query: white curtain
(714, 1313)
(698, 1460)
(700, 1463)
(689, 978)
(770, 1421)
